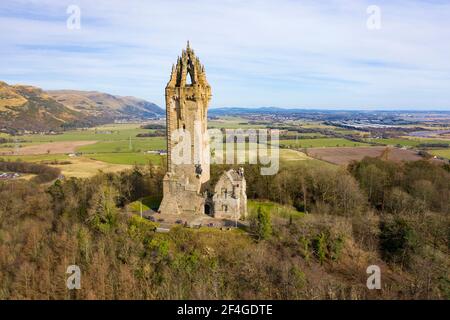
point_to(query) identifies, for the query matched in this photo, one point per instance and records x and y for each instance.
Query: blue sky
(284, 53)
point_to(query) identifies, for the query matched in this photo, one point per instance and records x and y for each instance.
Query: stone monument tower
(187, 97)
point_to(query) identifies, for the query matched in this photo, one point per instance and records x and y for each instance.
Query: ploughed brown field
(48, 148)
(344, 155)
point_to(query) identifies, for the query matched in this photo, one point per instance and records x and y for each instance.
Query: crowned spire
(188, 66)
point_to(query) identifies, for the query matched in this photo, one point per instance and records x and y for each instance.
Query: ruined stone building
(230, 200)
(185, 185)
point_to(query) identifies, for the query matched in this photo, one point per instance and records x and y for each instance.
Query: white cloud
(279, 53)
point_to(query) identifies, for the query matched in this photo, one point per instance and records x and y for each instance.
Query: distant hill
(227, 111)
(243, 110)
(103, 104)
(28, 108)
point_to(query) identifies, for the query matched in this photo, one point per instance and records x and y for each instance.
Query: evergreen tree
(261, 224)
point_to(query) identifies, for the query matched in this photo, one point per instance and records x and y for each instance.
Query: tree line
(43, 172)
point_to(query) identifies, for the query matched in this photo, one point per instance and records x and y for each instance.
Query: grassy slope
(147, 203)
(273, 208)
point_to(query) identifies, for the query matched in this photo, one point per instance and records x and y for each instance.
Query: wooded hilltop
(313, 232)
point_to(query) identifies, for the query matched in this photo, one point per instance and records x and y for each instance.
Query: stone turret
(184, 185)
(187, 96)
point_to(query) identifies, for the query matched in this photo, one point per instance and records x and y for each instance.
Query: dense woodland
(394, 215)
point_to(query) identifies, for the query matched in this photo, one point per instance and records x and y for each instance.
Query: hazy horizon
(374, 109)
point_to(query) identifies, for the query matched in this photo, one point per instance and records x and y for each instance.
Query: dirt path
(49, 148)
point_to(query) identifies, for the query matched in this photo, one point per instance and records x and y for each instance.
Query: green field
(232, 123)
(127, 146)
(274, 209)
(126, 158)
(295, 159)
(396, 141)
(316, 143)
(312, 124)
(406, 142)
(117, 146)
(305, 135)
(350, 132)
(102, 133)
(444, 153)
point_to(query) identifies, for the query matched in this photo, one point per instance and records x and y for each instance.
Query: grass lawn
(275, 209)
(136, 206)
(316, 143)
(147, 203)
